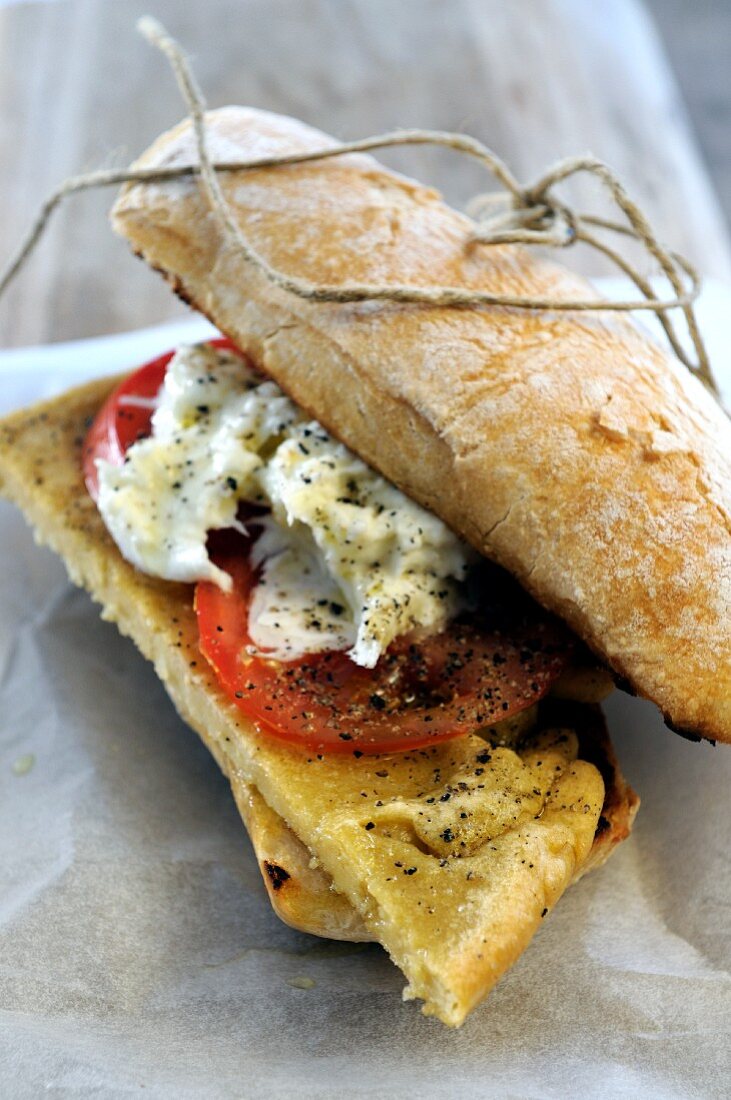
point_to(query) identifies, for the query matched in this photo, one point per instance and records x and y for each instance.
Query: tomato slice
(126, 414)
(421, 691)
(477, 672)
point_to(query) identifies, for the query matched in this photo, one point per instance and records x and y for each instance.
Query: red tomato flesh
(478, 671)
(440, 687)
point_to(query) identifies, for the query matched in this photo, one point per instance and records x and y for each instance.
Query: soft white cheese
(347, 560)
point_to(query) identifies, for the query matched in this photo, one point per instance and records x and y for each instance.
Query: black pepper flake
(544, 913)
(370, 825)
(447, 836)
(378, 702)
(409, 870)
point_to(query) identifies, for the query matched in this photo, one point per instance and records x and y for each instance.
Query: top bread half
(567, 447)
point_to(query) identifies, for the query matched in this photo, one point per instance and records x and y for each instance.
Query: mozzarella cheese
(346, 560)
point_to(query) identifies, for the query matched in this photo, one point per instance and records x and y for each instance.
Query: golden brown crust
(454, 925)
(302, 895)
(568, 448)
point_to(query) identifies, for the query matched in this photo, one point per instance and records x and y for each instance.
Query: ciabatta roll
(565, 446)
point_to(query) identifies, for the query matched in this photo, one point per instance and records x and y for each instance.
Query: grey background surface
(697, 37)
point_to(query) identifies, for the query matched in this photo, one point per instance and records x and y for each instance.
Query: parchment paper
(138, 951)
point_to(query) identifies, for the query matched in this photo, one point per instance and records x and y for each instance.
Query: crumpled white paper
(138, 951)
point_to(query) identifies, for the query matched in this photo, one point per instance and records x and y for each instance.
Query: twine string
(530, 215)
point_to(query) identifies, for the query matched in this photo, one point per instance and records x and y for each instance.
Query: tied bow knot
(521, 219)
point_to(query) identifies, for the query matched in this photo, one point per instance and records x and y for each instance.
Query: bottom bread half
(450, 856)
(303, 895)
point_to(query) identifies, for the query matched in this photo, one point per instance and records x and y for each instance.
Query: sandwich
(387, 559)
